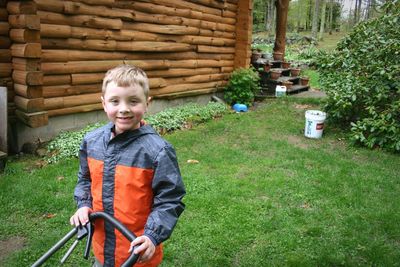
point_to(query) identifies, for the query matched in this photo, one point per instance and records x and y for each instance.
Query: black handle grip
(121, 228)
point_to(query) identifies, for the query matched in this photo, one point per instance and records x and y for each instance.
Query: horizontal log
(5, 69)
(5, 55)
(79, 20)
(87, 78)
(200, 63)
(197, 79)
(186, 87)
(205, 32)
(28, 78)
(77, 8)
(56, 79)
(111, 45)
(29, 50)
(97, 2)
(179, 72)
(90, 78)
(5, 42)
(71, 101)
(69, 90)
(188, 93)
(65, 31)
(76, 109)
(185, 14)
(52, 55)
(227, 69)
(213, 49)
(28, 91)
(26, 64)
(4, 27)
(33, 120)
(99, 66)
(28, 105)
(28, 7)
(229, 14)
(31, 22)
(164, 29)
(25, 35)
(210, 3)
(187, 5)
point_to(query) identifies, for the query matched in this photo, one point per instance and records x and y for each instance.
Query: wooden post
(244, 24)
(282, 8)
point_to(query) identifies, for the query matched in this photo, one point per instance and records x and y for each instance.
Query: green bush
(242, 86)
(362, 81)
(66, 144)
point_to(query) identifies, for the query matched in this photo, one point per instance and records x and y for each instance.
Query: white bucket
(280, 90)
(314, 123)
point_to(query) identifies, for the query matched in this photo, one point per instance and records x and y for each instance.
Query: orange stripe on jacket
(133, 199)
(96, 175)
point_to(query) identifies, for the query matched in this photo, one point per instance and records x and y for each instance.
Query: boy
(129, 171)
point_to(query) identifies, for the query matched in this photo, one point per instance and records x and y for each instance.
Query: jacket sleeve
(168, 190)
(82, 194)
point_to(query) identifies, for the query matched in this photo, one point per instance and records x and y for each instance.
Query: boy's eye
(114, 101)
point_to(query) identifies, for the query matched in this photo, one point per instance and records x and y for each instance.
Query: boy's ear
(103, 102)
(148, 100)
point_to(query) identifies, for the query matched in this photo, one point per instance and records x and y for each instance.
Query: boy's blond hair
(127, 75)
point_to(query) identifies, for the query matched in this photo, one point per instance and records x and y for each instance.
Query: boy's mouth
(124, 118)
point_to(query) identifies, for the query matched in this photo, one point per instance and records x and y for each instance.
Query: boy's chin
(124, 128)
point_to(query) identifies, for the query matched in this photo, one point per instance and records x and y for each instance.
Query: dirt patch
(11, 245)
(297, 141)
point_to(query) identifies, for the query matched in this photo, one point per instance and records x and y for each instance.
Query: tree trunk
(330, 20)
(282, 7)
(314, 28)
(322, 25)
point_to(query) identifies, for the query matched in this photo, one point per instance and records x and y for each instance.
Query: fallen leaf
(59, 178)
(192, 161)
(49, 215)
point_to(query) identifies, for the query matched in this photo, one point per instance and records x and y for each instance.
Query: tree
(282, 7)
(314, 28)
(322, 23)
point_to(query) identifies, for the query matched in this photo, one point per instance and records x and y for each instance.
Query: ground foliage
(242, 86)
(362, 82)
(66, 144)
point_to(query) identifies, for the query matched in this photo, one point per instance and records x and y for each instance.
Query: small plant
(242, 86)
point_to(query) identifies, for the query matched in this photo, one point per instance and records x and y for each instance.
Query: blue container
(240, 107)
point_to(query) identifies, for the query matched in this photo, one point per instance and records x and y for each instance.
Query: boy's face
(125, 106)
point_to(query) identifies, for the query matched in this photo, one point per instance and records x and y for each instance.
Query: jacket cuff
(82, 204)
(153, 239)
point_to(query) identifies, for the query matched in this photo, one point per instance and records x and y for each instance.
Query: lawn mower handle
(87, 230)
(120, 227)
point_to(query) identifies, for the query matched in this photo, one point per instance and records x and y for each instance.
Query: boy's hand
(146, 249)
(81, 216)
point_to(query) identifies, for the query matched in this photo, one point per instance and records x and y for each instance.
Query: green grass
(314, 77)
(261, 195)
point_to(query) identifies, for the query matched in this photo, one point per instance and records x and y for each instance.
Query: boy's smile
(125, 106)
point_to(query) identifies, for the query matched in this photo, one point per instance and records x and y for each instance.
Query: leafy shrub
(66, 144)
(362, 81)
(241, 86)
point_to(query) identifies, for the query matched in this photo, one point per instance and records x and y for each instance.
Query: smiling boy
(130, 172)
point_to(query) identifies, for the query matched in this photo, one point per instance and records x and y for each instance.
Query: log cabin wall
(61, 49)
(5, 59)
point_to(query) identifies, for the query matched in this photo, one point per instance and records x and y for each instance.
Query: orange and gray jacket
(135, 178)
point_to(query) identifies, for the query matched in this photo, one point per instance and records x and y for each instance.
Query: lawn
(261, 195)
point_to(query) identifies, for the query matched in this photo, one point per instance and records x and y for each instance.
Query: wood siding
(55, 53)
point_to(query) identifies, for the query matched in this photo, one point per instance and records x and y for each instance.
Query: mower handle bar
(92, 217)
